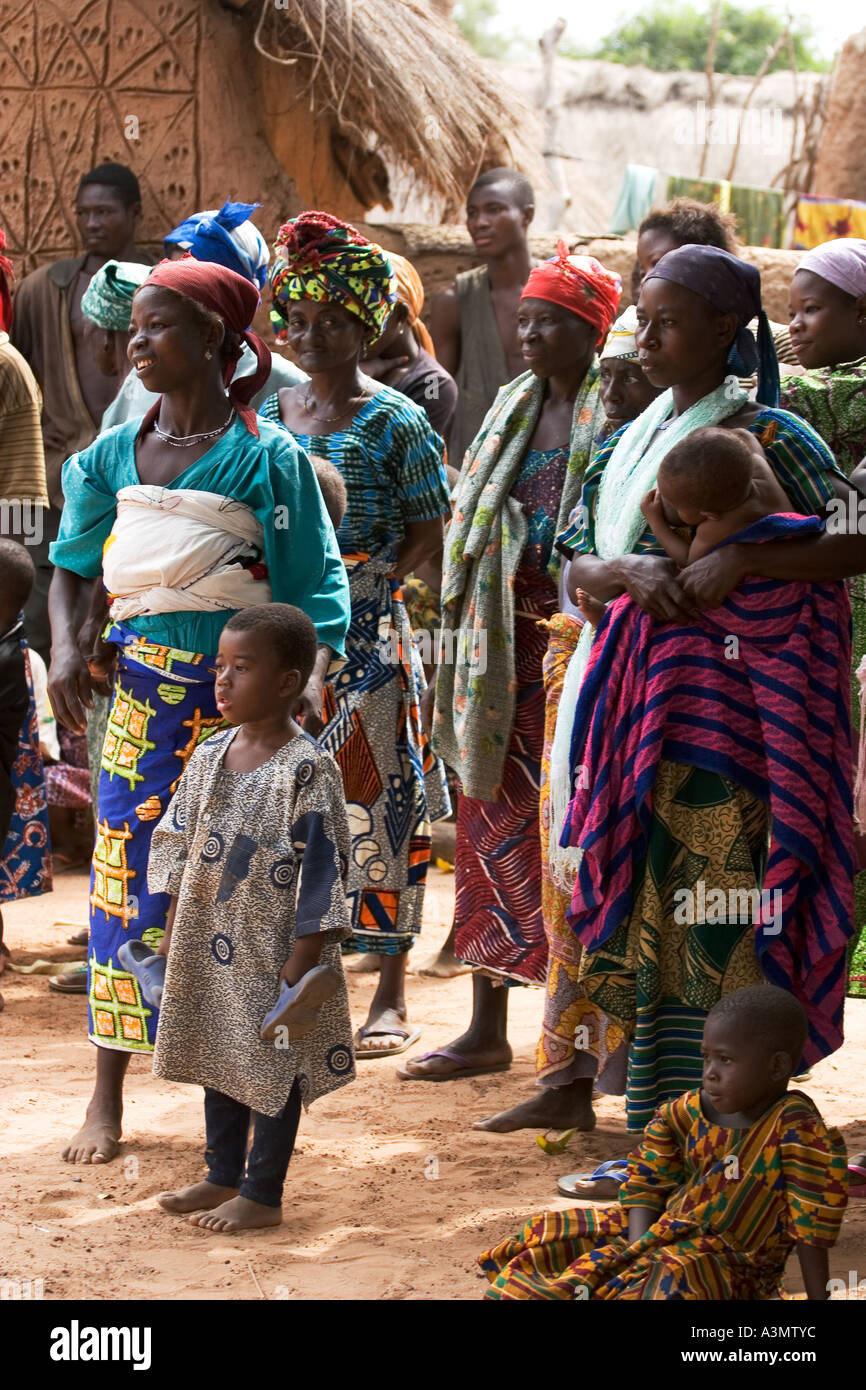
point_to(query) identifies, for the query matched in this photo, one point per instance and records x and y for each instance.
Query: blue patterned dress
(391, 462)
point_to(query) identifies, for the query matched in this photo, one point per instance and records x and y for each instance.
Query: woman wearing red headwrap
(189, 514)
(521, 478)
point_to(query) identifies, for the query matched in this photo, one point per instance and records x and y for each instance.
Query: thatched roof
(396, 76)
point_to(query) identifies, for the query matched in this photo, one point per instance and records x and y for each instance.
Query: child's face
(739, 1074)
(679, 506)
(825, 323)
(624, 389)
(250, 683)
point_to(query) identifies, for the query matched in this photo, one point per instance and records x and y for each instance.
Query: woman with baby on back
(175, 513)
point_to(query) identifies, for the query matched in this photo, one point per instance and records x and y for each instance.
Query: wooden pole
(550, 110)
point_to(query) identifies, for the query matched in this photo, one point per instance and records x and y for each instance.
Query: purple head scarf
(842, 262)
(732, 286)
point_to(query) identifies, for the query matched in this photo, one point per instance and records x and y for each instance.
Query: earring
(208, 354)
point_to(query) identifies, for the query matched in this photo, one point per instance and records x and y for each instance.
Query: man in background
(51, 332)
(474, 321)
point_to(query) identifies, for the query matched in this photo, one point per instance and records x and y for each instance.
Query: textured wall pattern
(77, 80)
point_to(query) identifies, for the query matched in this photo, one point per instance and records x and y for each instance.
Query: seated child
(727, 1180)
(253, 849)
(717, 481)
(16, 581)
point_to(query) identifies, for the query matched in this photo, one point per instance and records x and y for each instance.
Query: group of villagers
(611, 757)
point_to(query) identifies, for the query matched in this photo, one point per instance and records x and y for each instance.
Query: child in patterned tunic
(254, 849)
(726, 1181)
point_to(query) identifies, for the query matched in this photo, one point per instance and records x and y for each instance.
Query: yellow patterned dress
(730, 1206)
(163, 705)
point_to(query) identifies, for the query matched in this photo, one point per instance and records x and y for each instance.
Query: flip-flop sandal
(297, 1008)
(858, 1189)
(142, 961)
(409, 1035)
(465, 1068)
(575, 1184)
(70, 982)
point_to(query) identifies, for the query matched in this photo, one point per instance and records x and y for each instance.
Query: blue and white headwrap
(226, 237)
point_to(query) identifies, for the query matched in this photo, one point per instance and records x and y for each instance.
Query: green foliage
(474, 19)
(671, 37)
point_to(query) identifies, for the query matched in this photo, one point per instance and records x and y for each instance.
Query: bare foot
(368, 964)
(202, 1196)
(238, 1214)
(444, 966)
(552, 1107)
(97, 1141)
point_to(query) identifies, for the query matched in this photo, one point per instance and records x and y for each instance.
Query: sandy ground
(390, 1193)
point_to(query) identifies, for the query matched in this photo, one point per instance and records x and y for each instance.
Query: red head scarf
(5, 292)
(235, 299)
(579, 283)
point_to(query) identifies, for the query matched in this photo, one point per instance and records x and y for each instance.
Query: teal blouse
(271, 475)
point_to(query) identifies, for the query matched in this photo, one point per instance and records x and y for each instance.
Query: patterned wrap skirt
(395, 786)
(577, 1040)
(163, 708)
(500, 929)
(25, 862)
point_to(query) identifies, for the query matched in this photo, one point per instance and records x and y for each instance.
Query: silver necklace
(186, 441)
(329, 419)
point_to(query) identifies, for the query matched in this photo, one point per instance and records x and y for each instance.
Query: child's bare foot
(238, 1214)
(590, 607)
(97, 1141)
(202, 1196)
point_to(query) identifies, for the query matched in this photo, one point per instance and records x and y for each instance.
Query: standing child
(726, 1182)
(254, 849)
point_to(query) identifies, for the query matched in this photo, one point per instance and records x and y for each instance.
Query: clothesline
(762, 216)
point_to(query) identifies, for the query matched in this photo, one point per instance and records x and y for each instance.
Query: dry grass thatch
(398, 77)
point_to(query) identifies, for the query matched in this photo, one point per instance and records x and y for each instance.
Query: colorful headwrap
(620, 339)
(107, 301)
(732, 286)
(235, 299)
(579, 283)
(227, 237)
(410, 291)
(6, 275)
(317, 257)
(842, 262)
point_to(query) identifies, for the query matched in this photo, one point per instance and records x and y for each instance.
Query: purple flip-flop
(465, 1068)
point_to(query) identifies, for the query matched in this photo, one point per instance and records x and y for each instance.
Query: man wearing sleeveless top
(474, 321)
